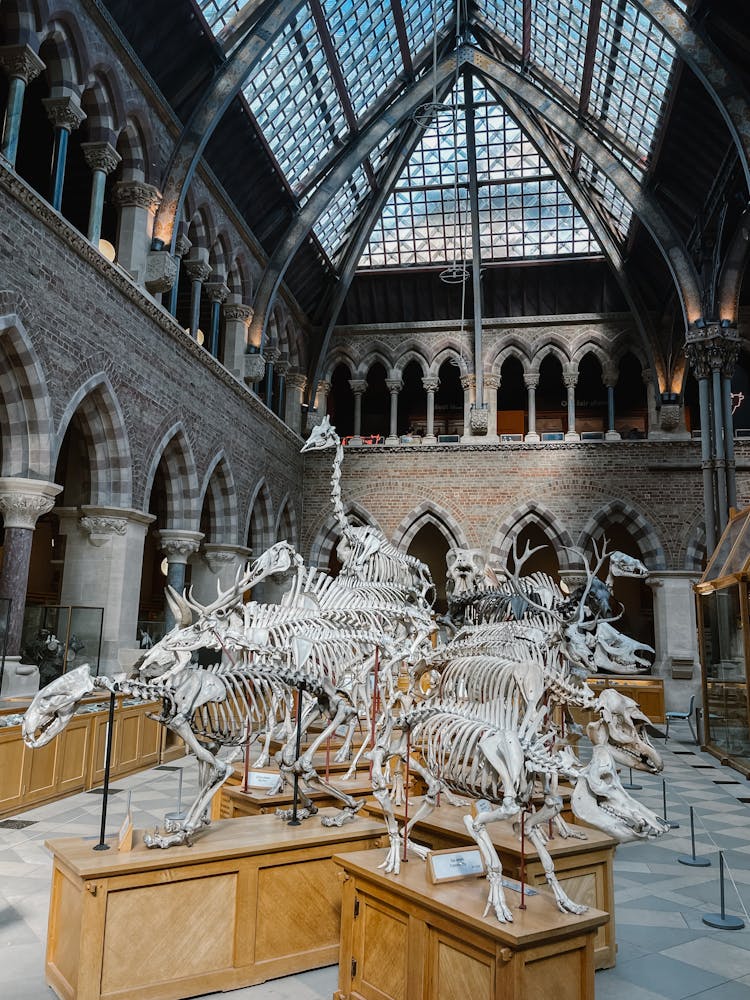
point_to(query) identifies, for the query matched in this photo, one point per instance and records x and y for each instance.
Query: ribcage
(256, 699)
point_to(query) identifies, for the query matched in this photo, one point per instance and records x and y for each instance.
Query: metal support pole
(59, 158)
(476, 249)
(726, 396)
(295, 821)
(719, 462)
(721, 920)
(690, 859)
(102, 845)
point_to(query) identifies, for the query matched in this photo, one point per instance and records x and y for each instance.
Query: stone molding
(296, 381)
(64, 112)
(100, 156)
(24, 501)
(178, 545)
(100, 528)
(20, 62)
(136, 194)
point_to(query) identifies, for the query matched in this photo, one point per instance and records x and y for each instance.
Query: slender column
(198, 270)
(698, 359)
(237, 318)
(677, 659)
(181, 246)
(66, 115)
(272, 355)
(103, 564)
(22, 65)
(282, 367)
(609, 377)
(295, 390)
(217, 292)
(476, 246)
(321, 398)
(395, 385)
(431, 384)
(727, 370)
(492, 383)
(717, 410)
(647, 377)
(102, 158)
(531, 381)
(358, 387)
(136, 203)
(177, 545)
(22, 503)
(570, 378)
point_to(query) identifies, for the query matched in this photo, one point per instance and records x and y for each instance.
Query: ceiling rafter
(333, 64)
(526, 44)
(403, 40)
(589, 63)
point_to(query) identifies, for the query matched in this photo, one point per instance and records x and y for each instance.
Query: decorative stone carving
(610, 375)
(197, 270)
(217, 560)
(570, 376)
(217, 291)
(669, 419)
(394, 385)
(135, 194)
(296, 381)
(468, 382)
(711, 348)
(161, 271)
(430, 383)
(178, 545)
(20, 62)
(238, 312)
(100, 529)
(24, 501)
(282, 365)
(531, 379)
(358, 385)
(100, 156)
(479, 419)
(255, 367)
(64, 112)
(492, 381)
(181, 245)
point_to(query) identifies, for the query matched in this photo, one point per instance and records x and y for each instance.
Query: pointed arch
(531, 512)
(106, 440)
(26, 427)
(639, 527)
(285, 528)
(340, 357)
(695, 550)
(550, 348)
(328, 535)
(23, 21)
(405, 358)
(450, 351)
(218, 257)
(133, 146)
(429, 512)
(175, 455)
(260, 524)
(64, 57)
(218, 490)
(377, 356)
(596, 350)
(103, 104)
(512, 348)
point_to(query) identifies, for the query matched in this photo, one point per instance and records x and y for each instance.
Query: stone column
(647, 377)
(102, 158)
(570, 378)
(394, 385)
(531, 381)
(22, 65)
(358, 387)
(237, 318)
(469, 386)
(181, 246)
(178, 545)
(431, 384)
(492, 383)
(103, 565)
(296, 383)
(216, 564)
(609, 378)
(282, 367)
(253, 368)
(321, 399)
(22, 503)
(732, 350)
(217, 292)
(272, 355)
(66, 115)
(198, 270)
(137, 203)
(677, 660)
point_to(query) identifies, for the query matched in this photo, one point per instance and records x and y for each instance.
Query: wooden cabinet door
(12, 753)
(42, 771)
(150, 738)
(73, 756)
(129, 738)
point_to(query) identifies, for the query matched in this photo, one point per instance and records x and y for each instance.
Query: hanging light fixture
(434, 110)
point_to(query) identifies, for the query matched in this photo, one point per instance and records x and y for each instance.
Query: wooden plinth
(405, 939)
(232, 801)
(251, 900)
(584, 868)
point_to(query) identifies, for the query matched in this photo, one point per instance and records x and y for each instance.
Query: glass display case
(59, 637)
(724, 635)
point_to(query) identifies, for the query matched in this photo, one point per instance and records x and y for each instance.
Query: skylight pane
(506, 18)
(420, 227)
(632, 75)
(503, 150)
(331, 227)
(558, 40)
(366, 42)
(442, 152)
(219, 13)
(421, 21)
(612, 201)
(294, 100)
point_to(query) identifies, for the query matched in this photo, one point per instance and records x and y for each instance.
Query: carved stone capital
(161, 271)
(468, 382)
(238, 312)
(669, 416)
(531, 379)
(100, 156)
(430, 383)
(570, 376)
(24, 501)
(254, 367)
(197, 270)
(324, 388)
(610, 375)
(178, 545)
(217, 559)
(20, 62)
(282, 366)
(394, 385)
(100, 529)
(479, 420)
(135, 194)
(358, 385)
(217, 291)
(492, 381)
(272, 354)
(64, 112)
(181, 245)
(296, 382)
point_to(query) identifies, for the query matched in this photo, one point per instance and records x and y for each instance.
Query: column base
(429, 439)
(532, 438)
(19, 678)
(572, 436)
(613, 436)
(392, 439)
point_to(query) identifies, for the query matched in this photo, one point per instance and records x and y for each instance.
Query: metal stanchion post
(722, 921)
(690, 859)
(102, 846)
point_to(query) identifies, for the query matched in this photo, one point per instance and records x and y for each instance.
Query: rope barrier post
(406, 794)
(102, 845)
(690, 859)
(631, 787)
(247, 756)
(722, 921)
(373, 709)
(670, 823)
(295, 820)
(522, 868)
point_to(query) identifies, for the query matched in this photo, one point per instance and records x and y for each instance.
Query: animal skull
(465, 571)
(626, 726)
(54, 706)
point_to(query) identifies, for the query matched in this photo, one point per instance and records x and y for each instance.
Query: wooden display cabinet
(647, 691)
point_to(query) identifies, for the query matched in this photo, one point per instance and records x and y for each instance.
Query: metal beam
(643, 203)
(476, 247)
(333, 64)
(403, 39)
(526, 33)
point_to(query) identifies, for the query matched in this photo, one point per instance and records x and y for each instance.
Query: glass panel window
(558, 40)
(612, 202)
(332, 226)
(421, 19)
(723, 658)
(506, 18)
(219, 13)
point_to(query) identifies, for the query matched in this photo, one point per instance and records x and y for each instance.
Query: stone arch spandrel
(219, 487)
(180, 476)
(639, 527)
(429, 512)
(531, 511)
(260, 519)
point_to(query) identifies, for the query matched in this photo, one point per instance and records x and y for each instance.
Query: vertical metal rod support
(102, 845)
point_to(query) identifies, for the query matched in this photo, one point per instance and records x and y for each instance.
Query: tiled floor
(665, 952)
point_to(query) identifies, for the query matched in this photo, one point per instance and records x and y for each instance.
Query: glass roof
(337, 63)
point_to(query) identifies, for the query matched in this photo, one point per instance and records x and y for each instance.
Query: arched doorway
(431, 546)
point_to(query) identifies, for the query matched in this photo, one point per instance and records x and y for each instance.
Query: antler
(515, 581)
(600, 556)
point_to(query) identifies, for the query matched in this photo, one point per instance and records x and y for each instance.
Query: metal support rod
(631, 787)
(721, 920)
(522, 867)
(690, 859)
(102, 846)
(295, 821)
(406, 793)
(670, 823)
(476, 250)
(726, 396)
